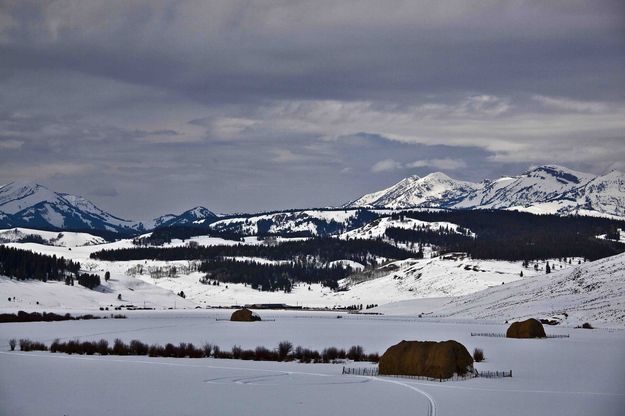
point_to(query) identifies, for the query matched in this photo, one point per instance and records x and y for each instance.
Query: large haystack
(244, 315)
(426, 358)
(530, 328)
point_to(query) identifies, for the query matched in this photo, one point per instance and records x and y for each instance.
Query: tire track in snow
(431, 402)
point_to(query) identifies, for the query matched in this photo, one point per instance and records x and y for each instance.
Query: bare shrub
(264, 354)
(138, 348)
(156, 351)
(356, 353)
(120, 348)
(170, 350)
(207, 348)
(28, 345)
(247, 355)
(12, 343)
(284, 349)
(103, 347)
(478, 355)
(374, 357)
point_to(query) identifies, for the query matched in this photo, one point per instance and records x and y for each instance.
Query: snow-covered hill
(548, 189)
(592, 292)
(377, 228)
(197, 215)
(32, 205)
(391, 282)
(52, 238)
(307, 222)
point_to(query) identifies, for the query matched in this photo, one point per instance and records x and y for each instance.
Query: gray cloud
(155, 106)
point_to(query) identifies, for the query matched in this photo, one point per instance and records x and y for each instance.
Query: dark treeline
(284, 351)
(22, 316)
(509, 235)
(321, 249)
(161, 236)
(24, 264)
(440, 238)
(271, 277)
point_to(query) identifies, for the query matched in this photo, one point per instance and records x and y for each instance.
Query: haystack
(426, 358)
(530, 328)
(244, 315)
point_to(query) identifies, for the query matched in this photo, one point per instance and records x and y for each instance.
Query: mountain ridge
(568, 191)
(545, 189)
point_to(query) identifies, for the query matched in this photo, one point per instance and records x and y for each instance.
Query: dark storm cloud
(248, 106)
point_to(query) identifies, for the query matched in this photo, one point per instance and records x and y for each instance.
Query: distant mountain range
(548, 189)
(24, 204)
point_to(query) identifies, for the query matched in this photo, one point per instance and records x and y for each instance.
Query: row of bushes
(22, 316)
(284, 351)
(28, 345)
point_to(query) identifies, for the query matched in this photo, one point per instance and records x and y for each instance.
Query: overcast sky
(149, 107)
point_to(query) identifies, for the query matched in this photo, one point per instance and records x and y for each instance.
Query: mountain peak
(437, 176)
(195, 215)
(560, 173)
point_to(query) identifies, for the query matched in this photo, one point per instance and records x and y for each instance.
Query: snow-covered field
(580, 375)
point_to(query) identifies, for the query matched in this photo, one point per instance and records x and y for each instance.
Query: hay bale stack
(426, 358)
(530, 328)
(244, 315)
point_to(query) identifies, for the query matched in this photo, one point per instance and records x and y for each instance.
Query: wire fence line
(502, 335)
(374, 372)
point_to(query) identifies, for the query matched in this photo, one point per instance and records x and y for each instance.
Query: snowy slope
(548, 189)
(58, 295)
(35, 206)
(53, 238)
(592, 292)
(606, 194)
(377, 228)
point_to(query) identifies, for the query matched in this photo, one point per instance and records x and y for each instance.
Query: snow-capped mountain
(433, 190)
(197, 215)
(35, 206)
(543, 189)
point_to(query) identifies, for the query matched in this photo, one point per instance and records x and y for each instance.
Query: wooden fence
(361, 371)
(502, 335)
(373, 372)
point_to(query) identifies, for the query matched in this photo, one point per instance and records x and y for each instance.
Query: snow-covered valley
(567, 376)
(149, 282)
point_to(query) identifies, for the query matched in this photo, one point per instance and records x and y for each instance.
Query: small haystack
(244, 315)
(426, 358)
(530, 328)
